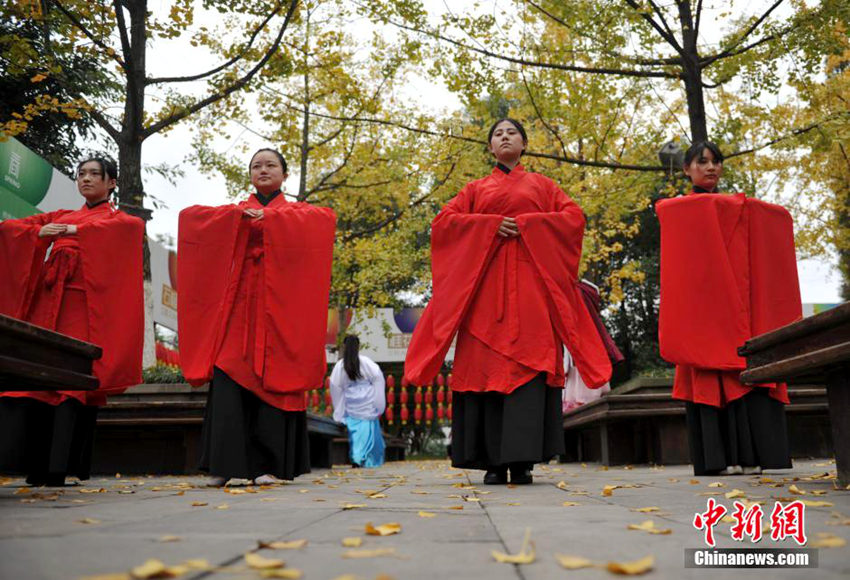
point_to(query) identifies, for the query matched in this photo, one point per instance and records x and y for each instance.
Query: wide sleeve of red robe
(728, 273)
(254, 295)
(102, 262)
(510, 301)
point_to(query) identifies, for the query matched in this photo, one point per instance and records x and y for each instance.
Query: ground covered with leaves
(407, 520)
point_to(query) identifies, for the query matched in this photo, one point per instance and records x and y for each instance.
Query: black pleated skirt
(244, 437)
(46, 443)
(750, 431)
(492, 429)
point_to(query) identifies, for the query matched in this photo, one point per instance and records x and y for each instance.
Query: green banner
(23, 173)
(12, 206)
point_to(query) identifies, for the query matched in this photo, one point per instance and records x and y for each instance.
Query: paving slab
(450, 523)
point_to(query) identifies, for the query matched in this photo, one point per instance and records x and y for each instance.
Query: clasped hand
(508, 228)
(53, 229)
(256, 214)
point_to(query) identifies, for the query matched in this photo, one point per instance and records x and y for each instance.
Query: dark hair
(513, 122)
(275, 151)
(697, 148)
(107, 166)
(351, 356)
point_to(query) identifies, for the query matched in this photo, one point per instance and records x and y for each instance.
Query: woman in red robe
(728, 273)
(80, 291)
(504, 258)
(252, 317)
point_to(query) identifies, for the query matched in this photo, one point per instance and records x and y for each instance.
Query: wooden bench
(640, 422)
(156, 428)
(36, 359)
(815, 349)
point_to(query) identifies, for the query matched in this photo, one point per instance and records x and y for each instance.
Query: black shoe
(496, 476)
(355, 465)
(521, 474)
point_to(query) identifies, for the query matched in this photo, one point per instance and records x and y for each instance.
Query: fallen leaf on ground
(270, 499)
(513, 503)
(234, 491)
(258, 562)
(290, 545)
(418, 492)
(570, 503)
(377, 496)
(819, 492)
(734, 493)
(291, 573)
(647, 510)
(470, 498)
(352, 542)
(303, 491)
(815, 503)
(352, 506)
(728, 520)
(573, 562)
(150, 569)
(199, 503)
(423, 514)
(383, 530)
(649, 526)
(88, 521)
(673, 480)
(694, 482)
(609, 490)
(826, 540)
(91, 490)
(716, 484)
(198, 564)
(632, 568)
(170, 539)
(796, 490)
(223, 506)
(561, 485)
(376, 553)
(525, 556)
(456, 507)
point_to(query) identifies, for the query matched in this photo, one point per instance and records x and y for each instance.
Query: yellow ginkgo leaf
(456, 507)
(38, 78)
(352, 542)
(526, 554)
(383, 530)
(609, 489)
(647, 510)
(815, 503)
(377, 496)
(258, 562)
(199, 503)
(223, 506)
(819, 492)
(561, 485)
(570, 503)
(733, 494)
(573, 562)
(353, 506)
(88, 521)
(198, 564)
(423, 514)
(716, 484)
(290, 545)
(291, 573)
(825, 540)
(649, 526)
(376, 553)
(796, 490)
(150, 569)
(170, 538)
(632, 568)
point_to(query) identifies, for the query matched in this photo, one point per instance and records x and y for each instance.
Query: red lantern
(440, 411)
(390, 381)
(390, 396)
(429, 396)
(389, 415)
(441, 395)
(417, 414)
(429, 414)
(417, 396)
(440, 381)
(404, 396)
(449, 397)
(449, 412)
(449, 380)
(404, 382)
(405, 415)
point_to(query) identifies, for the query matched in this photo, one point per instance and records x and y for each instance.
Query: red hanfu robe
(90, 288)
(254, 296)
(513, 302)
(728, 273)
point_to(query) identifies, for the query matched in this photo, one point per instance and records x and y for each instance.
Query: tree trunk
(692, 73)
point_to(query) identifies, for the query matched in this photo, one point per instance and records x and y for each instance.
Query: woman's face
(507, 143)
(92, 183)
(266, 172)
(705, 170)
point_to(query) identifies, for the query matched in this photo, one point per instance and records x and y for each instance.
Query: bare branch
(550, 65)
(540, 116)
(793, 133)
(749, 31)
(235, 86)
(668, 37)
(225, 65)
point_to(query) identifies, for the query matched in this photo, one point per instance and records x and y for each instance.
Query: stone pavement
(450, 523)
